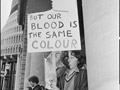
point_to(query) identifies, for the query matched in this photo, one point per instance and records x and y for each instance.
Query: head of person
(72, 59)
(33, 81)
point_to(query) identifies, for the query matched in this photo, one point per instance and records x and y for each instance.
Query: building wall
(101, 24)
(14, 2)
(11, 37)
(11, 48)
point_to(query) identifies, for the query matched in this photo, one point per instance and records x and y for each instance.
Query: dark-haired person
(75, 74)
(33, 81)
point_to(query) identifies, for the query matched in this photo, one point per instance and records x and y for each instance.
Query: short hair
(77, 54)
(33, 79)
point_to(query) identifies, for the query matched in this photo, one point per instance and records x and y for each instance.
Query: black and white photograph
(59, 45)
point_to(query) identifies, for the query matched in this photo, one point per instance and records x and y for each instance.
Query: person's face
(72, 60)
(31, 84)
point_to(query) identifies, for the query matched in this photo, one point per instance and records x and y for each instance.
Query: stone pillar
(101, 25)
(37, 66)
(27, 69)
(17, 73)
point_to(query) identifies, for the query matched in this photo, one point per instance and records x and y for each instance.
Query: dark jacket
(80, 82)
(29, 88)
(38, 87)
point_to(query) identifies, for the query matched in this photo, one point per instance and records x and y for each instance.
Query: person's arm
(84, 82)
(55, 88)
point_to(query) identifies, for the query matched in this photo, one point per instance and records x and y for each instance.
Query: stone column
(37, 67)
(27, 69)
(101, 25)
(17, 73)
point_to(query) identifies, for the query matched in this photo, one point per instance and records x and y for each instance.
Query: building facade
(11, 46)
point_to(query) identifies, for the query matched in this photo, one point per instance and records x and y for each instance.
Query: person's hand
(55, 88)
(53, 85)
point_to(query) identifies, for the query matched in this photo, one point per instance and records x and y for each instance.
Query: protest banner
(53, 30)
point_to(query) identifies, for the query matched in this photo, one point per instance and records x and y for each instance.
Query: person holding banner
(75, 75)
